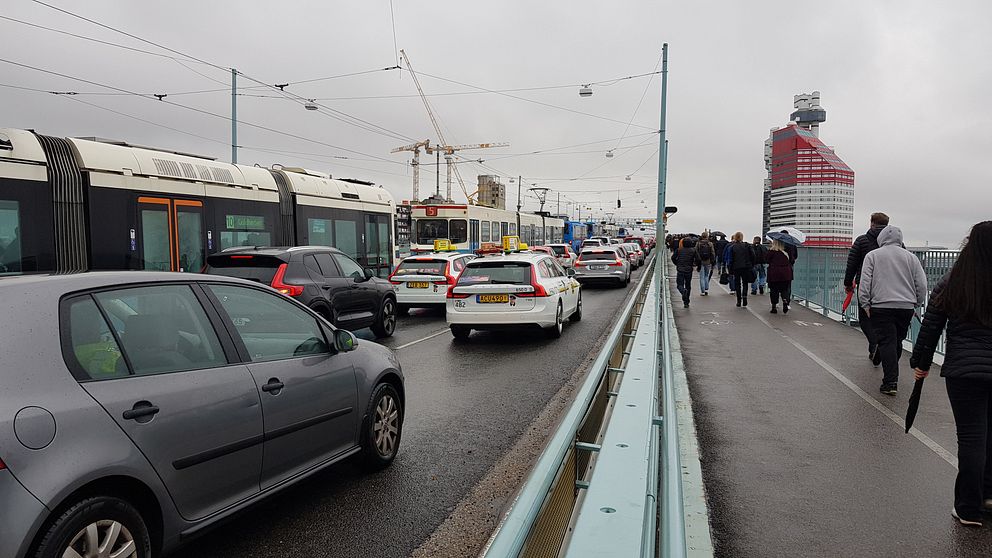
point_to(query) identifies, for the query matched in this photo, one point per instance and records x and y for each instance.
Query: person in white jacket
(893, 284)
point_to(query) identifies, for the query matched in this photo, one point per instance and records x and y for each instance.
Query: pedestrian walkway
(801, 455)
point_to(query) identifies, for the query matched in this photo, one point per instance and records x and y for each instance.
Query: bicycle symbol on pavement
(715, 321)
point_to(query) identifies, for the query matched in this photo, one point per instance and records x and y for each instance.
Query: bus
(467, 227)
(71, 204)
(575, 233)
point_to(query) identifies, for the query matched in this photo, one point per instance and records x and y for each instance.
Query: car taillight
(453, 294)
(538, 288)
(284, 288)
(448, 279)
(2, 465)
(616, 262)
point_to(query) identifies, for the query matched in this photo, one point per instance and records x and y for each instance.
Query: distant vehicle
(607, 264)
(323, 279)
(422, 281)
(634, 252)
(542, 250)
(509, 291)
(133, 403)
(564, 254)
(575, 233)
(469, 227)
(590, 243)
(615, 241)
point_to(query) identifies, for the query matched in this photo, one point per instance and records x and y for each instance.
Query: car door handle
(274, 386)
(326, 287)
(140, 410)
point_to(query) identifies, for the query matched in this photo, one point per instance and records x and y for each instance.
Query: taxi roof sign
(442, 245)
(511, 243)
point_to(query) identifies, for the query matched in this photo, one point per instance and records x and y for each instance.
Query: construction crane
(448, 151)
(443, 147)
(415, 147)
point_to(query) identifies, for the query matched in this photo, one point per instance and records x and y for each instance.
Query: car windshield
(244, 266)
(558, 250)
(598, 255)
(421, 267)
(512, 273)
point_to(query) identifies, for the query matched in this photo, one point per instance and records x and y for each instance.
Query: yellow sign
(646, 221)
(511, 243)
(442, 245)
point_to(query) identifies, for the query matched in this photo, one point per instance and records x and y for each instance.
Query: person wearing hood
(685, 259)
(852, 275)
(893, 284)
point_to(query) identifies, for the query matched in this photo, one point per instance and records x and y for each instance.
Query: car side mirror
(344, 341)
(368, 273)
(570, 272)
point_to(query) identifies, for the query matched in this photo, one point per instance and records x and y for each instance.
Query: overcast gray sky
(903, 83)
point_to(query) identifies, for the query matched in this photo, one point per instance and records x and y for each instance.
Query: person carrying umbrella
(852, 275)
(893, 285)
(962, 301)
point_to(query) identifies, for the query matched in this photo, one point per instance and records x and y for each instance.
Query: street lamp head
(311, 104)
(585, 91)
(609, 154)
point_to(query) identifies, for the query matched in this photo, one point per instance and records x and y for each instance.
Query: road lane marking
(431, 336)
(900, 421)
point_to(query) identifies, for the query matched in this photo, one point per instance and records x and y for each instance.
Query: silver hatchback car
(131, 415)
(603, 264)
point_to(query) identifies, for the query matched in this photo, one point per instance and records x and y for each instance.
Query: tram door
(170, 234)
(377, 256)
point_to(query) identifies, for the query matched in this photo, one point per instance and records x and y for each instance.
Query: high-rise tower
(808, 186)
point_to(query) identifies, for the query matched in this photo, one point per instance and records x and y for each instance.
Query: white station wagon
(507, 291)
(422, 281)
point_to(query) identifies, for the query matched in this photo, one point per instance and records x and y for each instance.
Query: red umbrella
(847, 301)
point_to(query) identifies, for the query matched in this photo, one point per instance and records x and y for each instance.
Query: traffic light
(618, 203)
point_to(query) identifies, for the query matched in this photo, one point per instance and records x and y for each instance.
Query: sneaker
(889, 389)
(686, 304)
(785, 308)
(965, 522)
(754, 293)
(774, 310)
(761, 290)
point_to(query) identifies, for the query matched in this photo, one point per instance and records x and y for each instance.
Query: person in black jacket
(855, 258)
(741, 264)
(685, 259)
(721, 245)
(962, 301)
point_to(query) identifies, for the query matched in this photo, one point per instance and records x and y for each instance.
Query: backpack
(705, 251)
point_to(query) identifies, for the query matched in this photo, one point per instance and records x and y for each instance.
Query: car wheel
(382, 428)
(460, 332)
(554, 332)
(577, 315)
(385, 325)
(402, 309)
(95, 527)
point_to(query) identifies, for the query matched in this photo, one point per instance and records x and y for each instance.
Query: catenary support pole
(234, 116)
(520, 180)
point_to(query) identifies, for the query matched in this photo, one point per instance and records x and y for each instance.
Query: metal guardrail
(594, 489)
(819, 281)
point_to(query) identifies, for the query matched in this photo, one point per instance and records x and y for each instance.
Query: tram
(69, 204)
(467, 227)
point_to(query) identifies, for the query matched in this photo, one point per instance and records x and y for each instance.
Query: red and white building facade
(808, 186)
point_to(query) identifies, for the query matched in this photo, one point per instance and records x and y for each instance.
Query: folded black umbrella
(914, 403)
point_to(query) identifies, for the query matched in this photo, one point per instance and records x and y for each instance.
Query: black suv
(323, 278)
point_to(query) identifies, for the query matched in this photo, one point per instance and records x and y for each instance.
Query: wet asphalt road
(467, 403)
(795, 461)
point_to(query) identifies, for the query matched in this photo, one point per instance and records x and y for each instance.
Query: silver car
(603, 264)
(131, 416)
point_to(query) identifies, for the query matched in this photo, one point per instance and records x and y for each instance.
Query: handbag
(724, 278)
(750, 276)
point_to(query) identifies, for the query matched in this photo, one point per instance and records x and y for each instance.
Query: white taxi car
(422, 281)
(513, 290)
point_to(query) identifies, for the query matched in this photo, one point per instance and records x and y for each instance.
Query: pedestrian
(725, 266)
(962, 301)
(760, 252)
(779, 276)
(852, 275)
(893, 284)
(741, 265)
(706, 253)
(685, 259)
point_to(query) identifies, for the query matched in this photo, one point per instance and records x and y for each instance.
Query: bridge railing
(819, 282)
(594, 491)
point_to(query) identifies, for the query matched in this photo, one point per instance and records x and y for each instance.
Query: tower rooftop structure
(808, 114)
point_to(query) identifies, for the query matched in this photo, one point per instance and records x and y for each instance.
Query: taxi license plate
(417, 285)
(597, 267)
(492, 298)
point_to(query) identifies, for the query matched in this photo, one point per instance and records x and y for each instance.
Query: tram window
(155, 239)
(429, 230)
(496, 236)
(320, 232)
(346, 237)
(513, 229)
(244, 230)
(190, 233)
(485, 231)
(386, 264)
(10, 237)
(458, 231)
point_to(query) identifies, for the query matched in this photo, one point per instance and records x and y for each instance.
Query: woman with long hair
(962, 301)
(779, 276)
(741, 264)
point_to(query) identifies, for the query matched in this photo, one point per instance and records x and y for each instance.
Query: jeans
(971, 403)
(759, 272)
(783, 289)
(705, 273)
(683, 281)
(890, 326)
(739, 283)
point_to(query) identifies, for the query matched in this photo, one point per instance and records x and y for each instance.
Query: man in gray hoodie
(893, 284)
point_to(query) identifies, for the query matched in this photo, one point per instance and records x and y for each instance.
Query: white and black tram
(69, 204)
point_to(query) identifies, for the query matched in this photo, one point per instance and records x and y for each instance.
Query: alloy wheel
(389, 316)
(102, 539)
(385, 428)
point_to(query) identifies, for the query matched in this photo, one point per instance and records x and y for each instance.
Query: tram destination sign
(246, 222)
